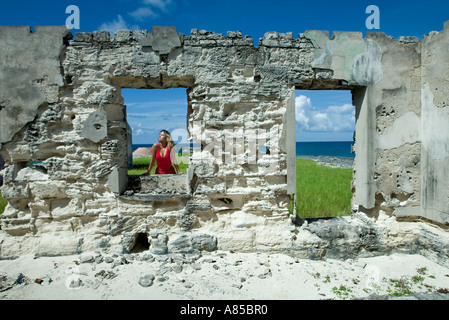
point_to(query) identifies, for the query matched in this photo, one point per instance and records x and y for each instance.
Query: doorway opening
(325, 130)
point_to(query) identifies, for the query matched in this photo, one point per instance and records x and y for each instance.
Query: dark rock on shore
(330, 161)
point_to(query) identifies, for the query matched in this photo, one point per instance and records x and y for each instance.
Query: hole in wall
(226, 200)
(38, 166)
(141, 243)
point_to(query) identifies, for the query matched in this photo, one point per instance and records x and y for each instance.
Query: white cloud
(146, 126)
(143, 13)
(341, 109)
(117, 24)
(138, 131)
(303, 105)
(320, 122)
(148, 134)
(161, 4)
(332, 118)
(150, 8)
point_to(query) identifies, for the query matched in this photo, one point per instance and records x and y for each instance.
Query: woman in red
(163, 153)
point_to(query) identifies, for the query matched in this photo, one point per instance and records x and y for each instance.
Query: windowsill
(149, 197)
(157, 187)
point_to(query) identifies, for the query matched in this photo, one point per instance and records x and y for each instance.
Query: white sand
(223, 275)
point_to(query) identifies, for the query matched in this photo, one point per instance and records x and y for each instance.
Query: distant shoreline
(331, 161)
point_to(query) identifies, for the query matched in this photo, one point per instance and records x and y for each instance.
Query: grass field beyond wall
(322, 191)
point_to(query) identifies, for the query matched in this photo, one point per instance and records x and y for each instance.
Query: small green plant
(422, 270)
(401, 287)
(342, 292)
(417, 279)
(291, 204)
(3, 203)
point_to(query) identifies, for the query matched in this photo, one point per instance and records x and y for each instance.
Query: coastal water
(328, 148)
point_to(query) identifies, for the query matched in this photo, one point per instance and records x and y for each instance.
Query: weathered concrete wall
(30, 75)
(66, 143)
(434, 128)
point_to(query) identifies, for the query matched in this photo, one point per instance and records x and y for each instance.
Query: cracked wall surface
(64, 135)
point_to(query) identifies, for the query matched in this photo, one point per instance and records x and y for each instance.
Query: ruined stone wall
(65, 137)
(434, 129)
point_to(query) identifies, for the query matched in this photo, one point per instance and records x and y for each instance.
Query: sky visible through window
(324, 115)
(149, 111)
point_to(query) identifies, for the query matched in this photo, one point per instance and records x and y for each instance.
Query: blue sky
(151, 110)
(323, 116)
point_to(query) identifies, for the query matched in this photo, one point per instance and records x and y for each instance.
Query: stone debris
(266, 272)
(108, 259)
(147, 280)
(196, 266)
(45, 281)
(105, 274)
(171, 275)
(87, 258)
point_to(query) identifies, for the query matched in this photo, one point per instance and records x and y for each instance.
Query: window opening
(325, 126)
(148, 112)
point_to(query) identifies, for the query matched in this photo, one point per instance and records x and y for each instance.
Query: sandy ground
(215, 276)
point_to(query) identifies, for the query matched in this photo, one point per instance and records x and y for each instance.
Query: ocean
(325, 148)
(328, 148)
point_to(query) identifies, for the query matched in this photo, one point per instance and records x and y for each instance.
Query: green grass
(322, 191)
(3, 203)
(140, 166)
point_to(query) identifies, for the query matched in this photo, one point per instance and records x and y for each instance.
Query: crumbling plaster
(61, 108)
